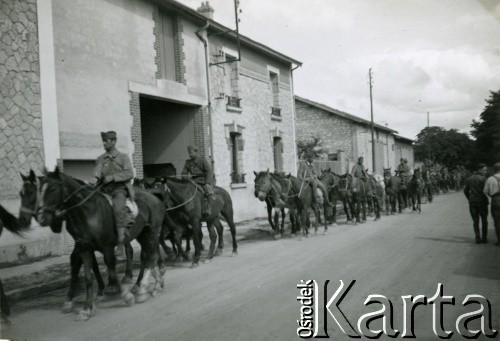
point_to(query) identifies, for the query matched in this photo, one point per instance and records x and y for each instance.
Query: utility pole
(427, 119)
(371, 111)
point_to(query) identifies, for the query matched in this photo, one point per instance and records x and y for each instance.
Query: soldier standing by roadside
(492, 189)
(478, 202)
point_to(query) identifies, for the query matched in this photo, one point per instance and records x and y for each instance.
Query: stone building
(345, 136)
(162, 75)
(404, 149)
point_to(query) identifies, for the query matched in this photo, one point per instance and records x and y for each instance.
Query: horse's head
(262, 185)
(29, 199)
(52, 195)
(344, 182)
(328, 178)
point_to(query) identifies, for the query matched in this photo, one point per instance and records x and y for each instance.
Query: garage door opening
(167, 129)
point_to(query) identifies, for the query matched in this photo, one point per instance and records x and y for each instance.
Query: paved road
(253, 296)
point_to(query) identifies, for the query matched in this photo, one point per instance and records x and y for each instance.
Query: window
(168, 49)
(231, 81)
(278, 154)
(274, 79)
(333, 157)
(236, 144)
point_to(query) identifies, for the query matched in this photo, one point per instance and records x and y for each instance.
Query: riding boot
(206, 210)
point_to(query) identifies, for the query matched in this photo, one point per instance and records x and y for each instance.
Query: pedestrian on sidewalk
(478, 202)
(492, 189)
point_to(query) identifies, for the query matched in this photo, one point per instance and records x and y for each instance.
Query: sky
(441, 57)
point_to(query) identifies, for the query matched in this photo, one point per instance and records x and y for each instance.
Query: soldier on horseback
(201, 172)
(403, 168)
(114, 170)
(308, 173)
(358, 170)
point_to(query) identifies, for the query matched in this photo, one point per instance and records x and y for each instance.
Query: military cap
(192, 149)
(108, 135)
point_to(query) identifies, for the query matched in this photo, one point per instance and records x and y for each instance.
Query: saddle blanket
(131, 205)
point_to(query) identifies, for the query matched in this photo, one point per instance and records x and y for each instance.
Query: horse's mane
(179, 180)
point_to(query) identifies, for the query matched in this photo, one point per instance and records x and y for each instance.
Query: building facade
(345, 137)
(404, 149)
(160, 74)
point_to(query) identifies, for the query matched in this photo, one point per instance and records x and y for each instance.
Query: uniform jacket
(117, 165)
(473, 189)
(358, 171)
(200, 170)
(492, 185)
(307, 171)
(403, 168)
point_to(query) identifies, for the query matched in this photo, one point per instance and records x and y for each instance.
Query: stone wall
(21, 140)
(335, 132)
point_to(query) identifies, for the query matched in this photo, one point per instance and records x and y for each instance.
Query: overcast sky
(426, 55)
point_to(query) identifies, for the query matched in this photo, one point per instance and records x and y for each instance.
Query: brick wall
(180, 57)
(335, 132)
(135, 111)
(21, 140)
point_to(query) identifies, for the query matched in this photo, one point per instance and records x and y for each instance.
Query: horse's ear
(255, 173)
(45, 171)
(32, 176)
(24, 177)
(267, 171)
(56, 173)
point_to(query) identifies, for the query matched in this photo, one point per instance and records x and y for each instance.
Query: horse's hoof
(134, 289)
(162, 271)
(195, 265)
(376, 219)
(141, 298)
(85, 314)
(207, 261)
(334, 224)
(127, 280)
(68, 307)
(154, 293)
(111, 290)
(235, 253)
(277, 236)
(100, 297)
(186, 258)
(325, 233)
(307, 235)
(129, 299)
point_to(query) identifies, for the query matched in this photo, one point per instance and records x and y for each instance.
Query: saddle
(133, 209)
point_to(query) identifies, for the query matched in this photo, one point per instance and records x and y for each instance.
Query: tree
(448, 147)
(486, 131)
(310, 147)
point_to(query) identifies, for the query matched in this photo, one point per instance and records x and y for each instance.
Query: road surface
(253, 296)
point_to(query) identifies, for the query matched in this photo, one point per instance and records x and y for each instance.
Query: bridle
(184, 203)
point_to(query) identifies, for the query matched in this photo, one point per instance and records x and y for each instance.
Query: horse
(403, 189)
(392, 192)
(11, 223)
(355, 189)
(186, 196)
(416, 188)
(375, 194)
(29, 203)
(272, 202)
(331, 182)
(90, 221)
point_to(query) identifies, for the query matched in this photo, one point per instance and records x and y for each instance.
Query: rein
(60, 213)
(184, 203)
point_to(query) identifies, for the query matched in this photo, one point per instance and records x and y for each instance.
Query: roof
(193, 14)
(403, 139)
(344, 114)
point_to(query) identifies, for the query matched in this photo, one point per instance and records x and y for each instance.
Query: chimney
(206, 10)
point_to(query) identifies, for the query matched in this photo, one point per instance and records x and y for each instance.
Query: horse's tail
(10, 222)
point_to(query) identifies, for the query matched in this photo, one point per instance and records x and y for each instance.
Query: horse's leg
(346, 210)
(76, 263)
(100, 283)
(129, 252)
(363, 207)
(195, 223)
(376, 205)
(220, 234)
(227, 213)
(4, 305)
(282, 230)
(277, 233)
(113, 286)
(88, 307)
(213, 239)
(270, 214)
(325, 213)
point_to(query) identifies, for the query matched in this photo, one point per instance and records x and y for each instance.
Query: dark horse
(29, 202)
(273, 202)
(90, 221)
(392, 192)
(416, 188)
(332, 182)
(375, 195)
(356, 191)
(296, 194)
(186, 196)
(11, 223)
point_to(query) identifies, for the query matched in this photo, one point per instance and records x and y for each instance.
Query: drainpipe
(209, 96)
(294, 116)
